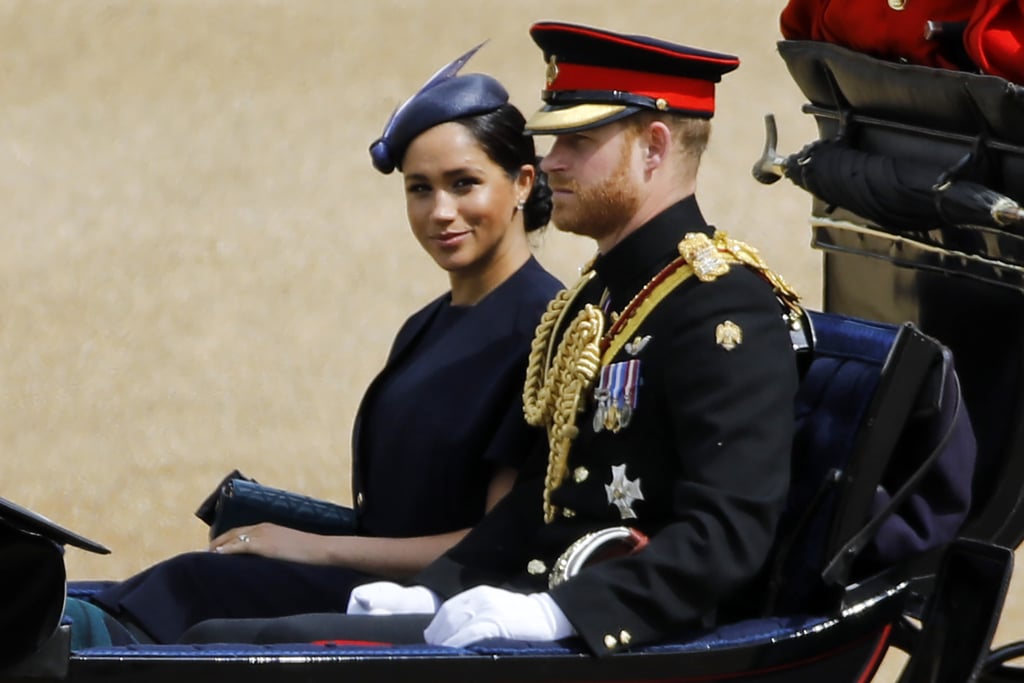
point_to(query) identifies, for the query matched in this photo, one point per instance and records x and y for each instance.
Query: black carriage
(906, 502)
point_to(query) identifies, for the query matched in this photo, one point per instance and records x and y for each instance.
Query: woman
(440, 431)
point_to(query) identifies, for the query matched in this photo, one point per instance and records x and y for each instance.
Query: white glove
(487, 612)
(385, 597)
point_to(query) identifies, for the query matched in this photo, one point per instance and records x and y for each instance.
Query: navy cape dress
(442, 415)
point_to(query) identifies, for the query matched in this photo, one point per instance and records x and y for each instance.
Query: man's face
(593, 177)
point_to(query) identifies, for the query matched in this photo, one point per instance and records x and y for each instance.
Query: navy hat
(445, 97)
(595, 77)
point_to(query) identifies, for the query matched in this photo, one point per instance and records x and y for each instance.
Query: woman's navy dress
(442, 415)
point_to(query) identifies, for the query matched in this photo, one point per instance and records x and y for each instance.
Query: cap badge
(728, 335)
(552, 71)
(623, 492)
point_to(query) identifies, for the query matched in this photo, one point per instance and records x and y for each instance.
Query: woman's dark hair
(500, 134)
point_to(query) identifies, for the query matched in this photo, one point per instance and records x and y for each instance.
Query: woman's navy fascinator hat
(445, 97)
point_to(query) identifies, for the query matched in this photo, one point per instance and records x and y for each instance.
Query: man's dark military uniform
(708, 443)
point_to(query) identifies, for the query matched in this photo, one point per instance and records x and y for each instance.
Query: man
(665, 380)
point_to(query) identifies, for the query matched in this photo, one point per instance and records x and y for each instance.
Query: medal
(615, 396)
(623, 492)
(611, 418)
(600, 408)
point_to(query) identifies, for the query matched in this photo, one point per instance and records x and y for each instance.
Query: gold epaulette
(710, 257)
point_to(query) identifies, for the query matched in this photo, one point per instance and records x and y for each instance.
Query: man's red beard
(601, 209)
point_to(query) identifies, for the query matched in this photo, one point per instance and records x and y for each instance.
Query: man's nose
(552, 161)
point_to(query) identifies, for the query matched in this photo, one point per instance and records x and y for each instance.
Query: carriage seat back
(882, 460)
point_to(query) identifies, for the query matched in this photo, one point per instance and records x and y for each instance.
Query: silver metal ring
(244, 538)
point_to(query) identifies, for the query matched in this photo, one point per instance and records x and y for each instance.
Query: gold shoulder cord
(556, 380)
(554, 385)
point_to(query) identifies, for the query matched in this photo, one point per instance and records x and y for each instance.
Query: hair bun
(537, 212)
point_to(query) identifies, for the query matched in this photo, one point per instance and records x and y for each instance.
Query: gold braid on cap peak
(554, 385)
(710, 257)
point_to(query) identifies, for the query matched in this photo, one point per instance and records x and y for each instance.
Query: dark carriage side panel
(841, 650)
(963, 284)
(984, 326)
(914, 112)
(962, 619)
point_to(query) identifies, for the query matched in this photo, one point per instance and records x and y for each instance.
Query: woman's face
(461, 205)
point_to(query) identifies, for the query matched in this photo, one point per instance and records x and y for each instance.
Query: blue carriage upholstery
(876, 422)
(882, 460)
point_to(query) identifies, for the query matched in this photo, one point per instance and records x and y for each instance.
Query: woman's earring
(521, 205)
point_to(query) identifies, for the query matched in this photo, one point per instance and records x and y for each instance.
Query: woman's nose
(444, 207)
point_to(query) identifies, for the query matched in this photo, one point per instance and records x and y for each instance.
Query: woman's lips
(451, 239)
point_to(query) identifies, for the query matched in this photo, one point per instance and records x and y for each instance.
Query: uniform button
(625, 637)
(568, 513)
(359, 499)
(898, 4)
(536, 567)
(580, 474)
(610, 642)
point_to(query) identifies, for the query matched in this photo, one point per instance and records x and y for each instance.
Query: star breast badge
(623, 492)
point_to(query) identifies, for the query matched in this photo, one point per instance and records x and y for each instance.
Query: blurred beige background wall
(201, 271)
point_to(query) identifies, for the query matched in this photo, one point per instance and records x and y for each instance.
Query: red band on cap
(691, 94)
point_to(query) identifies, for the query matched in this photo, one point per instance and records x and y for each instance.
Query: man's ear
(658, 143)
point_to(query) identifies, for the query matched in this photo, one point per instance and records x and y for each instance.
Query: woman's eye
(417, 188)
(466, 183)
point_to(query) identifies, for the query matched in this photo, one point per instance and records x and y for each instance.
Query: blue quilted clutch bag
(240, 501)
